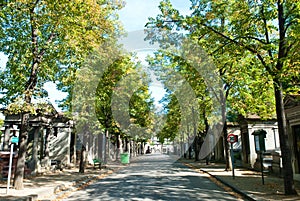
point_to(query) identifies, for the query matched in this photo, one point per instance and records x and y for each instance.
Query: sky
(133, 16)
(136, 12)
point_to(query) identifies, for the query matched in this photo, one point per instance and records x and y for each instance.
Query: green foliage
(104, 92)
(47, 41)
(257, 42)
(141, 108)
(19, 106)
(173, 119)
(243, 39)
(165, 66)
(1, 124)
(102, 85)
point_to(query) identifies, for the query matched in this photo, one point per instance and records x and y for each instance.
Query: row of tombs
(52, 138)
(51, 142)
(246, 130)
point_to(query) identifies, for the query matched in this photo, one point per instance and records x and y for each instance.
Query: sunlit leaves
(56, 35)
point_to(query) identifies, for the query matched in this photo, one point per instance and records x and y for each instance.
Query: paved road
(153, 177)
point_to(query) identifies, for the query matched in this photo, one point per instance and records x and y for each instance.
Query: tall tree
(42, 39)
(267, 31)
(166, 65)
(120, 94)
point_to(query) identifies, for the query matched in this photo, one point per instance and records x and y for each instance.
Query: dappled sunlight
(153, 177)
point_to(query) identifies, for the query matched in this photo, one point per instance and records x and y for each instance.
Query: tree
(103, 97)
(167, 64)
(267, 31)
(46, 41)
(171, 128)
(122, 101)
(229, 68)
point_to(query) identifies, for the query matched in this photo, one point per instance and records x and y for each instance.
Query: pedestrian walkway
(246, 183)
(52, 186)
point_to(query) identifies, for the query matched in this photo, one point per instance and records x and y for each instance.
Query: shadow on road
(153, 177)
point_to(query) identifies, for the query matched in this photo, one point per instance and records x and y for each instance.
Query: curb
(236, 190)
(32, 197)
(243, 194)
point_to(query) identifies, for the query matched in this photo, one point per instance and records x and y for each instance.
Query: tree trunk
(107, 148)
(131, 149)
(19, 172)
(190, 152)
(82, 159)
(226, 147)
(288, 176)
(197, 147)
(119, 146)
(225, 133)
(189, 144)
(142, 148)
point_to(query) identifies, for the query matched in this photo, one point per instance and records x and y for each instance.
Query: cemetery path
(153, 177)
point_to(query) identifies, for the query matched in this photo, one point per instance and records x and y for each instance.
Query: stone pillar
(107, 147)
(47, 134)
(143, 148)
(6, 138)
(101, 146)
(119, 147)
(68, 160)
(131, 148)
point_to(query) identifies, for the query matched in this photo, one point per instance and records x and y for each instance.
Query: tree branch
(288, 25)
(254, 38)
(220, 47)
(282, 49)
(252, 50)
(50, 39)
(266, 31)
(290, 11)
(255, 52)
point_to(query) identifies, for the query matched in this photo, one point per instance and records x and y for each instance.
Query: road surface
(153, 177)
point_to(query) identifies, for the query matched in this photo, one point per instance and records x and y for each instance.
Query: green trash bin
(125, 158)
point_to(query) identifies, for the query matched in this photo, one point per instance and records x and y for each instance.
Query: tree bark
(197, 147)
(226, 147)
(289, 186)
(119, 146)
(283, 49)
(19, 172)
(82, 159)
(190, 152)
(30, 86)
(107, 148)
